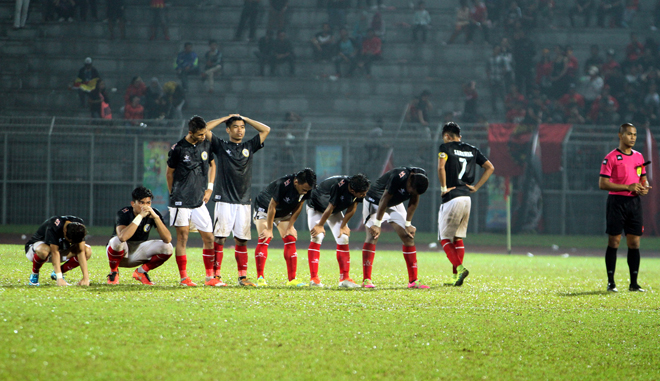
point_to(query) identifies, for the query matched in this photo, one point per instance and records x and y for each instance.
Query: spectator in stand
(212, 64)
(283, 52)
(514, 97)
(134, 111)
(21, 13)
(575, 116)
(517, 113)
(158, 19)
(64, 9)
(186, 63)
(494, 10)
(584, 8)
(634, 51)
(495, 75)
(462, 22)
(378, 26)
(86, 81)
(176, 99)
(115, 14)
(611, 8)
(523, 58)
(648, 60)
(632, 6)
(323, 44)
(560, 79)
(593, 87)
(573, 65)
(98, 102)
(136, 88)
(652, 99)
(248, 16)
(604, 108)
(87, 5)
(337, 13)
(347, 51)
(421, 21)
(479, 20)
(571, 99)
(609, 65)
(371, 51)
(594, 59)
(513, 16)
(155, 102)
(419, 109)
(470, 105)
(360, 28)
(265, 52)
(544, 72)
(277, 15)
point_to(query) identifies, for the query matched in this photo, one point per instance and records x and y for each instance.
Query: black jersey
(284, 193)
(394, 182)
(51, 232)
(124, 218)
(191, 173)
(235, 169)
(460, 167)
(333, 190)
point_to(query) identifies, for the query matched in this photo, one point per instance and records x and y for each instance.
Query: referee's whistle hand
(637, 188)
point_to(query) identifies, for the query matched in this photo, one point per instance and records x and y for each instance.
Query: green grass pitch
(516, 318)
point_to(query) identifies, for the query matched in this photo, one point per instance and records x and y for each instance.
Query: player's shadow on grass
(584, 293)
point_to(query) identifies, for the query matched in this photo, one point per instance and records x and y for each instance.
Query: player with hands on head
(457, 163)
(190, 176)
(280, 205)
(334, 202)
(130, 245)
(384, 203)
(623, 175)
(58, 238)
(233, 186)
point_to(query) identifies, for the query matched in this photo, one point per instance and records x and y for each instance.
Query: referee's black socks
(610, 262)
(633, 264)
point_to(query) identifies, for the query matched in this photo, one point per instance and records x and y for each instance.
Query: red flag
(551, 137)
(650, 203)
(501, 137)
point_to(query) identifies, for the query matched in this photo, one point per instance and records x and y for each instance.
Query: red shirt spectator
(137, 88)
(598, 103)
(372, 46)
(516, 114)
(571, 97)
(479, 12)
(634, 50)
(134, 111)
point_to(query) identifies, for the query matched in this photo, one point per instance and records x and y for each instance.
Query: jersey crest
(125, 210)
(639, 171)
(402, 174)
(442, 155)
(604, 161)
(57, 222)
(340, 183)
(619, 157)
(205, 155)
(287, 182)
(147, 227)
(245, 152)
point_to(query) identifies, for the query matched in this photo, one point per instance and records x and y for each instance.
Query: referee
(622, 173)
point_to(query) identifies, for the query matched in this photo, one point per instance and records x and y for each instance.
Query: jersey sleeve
(173, 156)
(158, 213)
(256, 144)
(606, 167)
(280, 191)
(396, 181)
(50, 238)
(443, 152)
(334, 194)
(123, 218)
(481, 159)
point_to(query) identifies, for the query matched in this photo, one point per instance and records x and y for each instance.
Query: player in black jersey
(190, 176)
(333, 196)
(234, 182)
(457, 163)
(59, 237)
(280, 205)
(384, 202)
(130, 245)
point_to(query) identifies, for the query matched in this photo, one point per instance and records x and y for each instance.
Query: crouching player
(280, 205)
(384, 202)
(59, 237)
(333, 196)
(130, 245)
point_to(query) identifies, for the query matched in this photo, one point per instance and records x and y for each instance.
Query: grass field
(517, 317)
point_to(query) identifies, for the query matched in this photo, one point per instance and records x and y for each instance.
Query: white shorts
(258, 215)
(333, 222)
(232, 218)
(198, 218)
(396, 214)
(453, 218)
(138, 253)
(30, 253)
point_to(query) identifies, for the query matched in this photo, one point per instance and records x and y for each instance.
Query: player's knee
(342, 240)
(88, 252)
(182, 236)
(408, 241)
(318, 238)
(166, 248)
(614, 241)
(42, 251)
(240, 242)
(220, 240)
(115, 244)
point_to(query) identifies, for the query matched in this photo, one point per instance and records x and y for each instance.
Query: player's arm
(169, 176)
(80, 250)
(215, 123)
(343, 228)
(270, 219)
(604, 183)
(318, 228)
(56, 259)
(125, 232)
(291, 230)
(410, 212)
(260, 127)
(489, 168)
(442, 173)
(162, 230)
(209, 190)
(374, 230)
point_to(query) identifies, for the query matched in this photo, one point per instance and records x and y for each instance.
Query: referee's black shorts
(624, 213)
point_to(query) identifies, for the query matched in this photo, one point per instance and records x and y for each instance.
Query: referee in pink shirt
(624, 176)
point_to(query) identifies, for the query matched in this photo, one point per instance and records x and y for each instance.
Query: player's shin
(37, 263)
(410, 255)
(344, 260)
(72, 263)
(261, 255)
(290, 256)
(610, 263)
(460, 250)
(368, 255)
(155, 262)
(209, 259)
(182, 263)
(241, 256)
(450, 250)
(314, 255)
(114, 258)
(218, 250)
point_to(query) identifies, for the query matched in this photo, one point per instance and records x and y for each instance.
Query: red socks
(460, 250)
(114, 257)
(290, 256)
(450, 250)
(155, 261)
(314, 254)
(410, 255)
(209, 260)
(368, 254)
(241, 256)
(218, 250)
(72, 263)
(344, 260)
(181, 262)
(261, 254)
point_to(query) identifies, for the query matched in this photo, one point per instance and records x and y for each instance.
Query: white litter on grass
(555, 247)
(530, 254)
(565, 255)
(23, 236)
(433, 245)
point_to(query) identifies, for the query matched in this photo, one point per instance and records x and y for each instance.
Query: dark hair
(306, 176)
(359, 183)
(419, 182)
(141, 192)
(196, 123)
(76, 232)
(231, 120)
(625, 126)
(452, 129)
(134, 79)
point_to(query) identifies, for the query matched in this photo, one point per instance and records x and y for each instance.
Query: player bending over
(327, 204)
(59, 237)
(280, 205)
(234, 182)
(190, 175)
(384, 202)
(623, 174)
(130, 245)
(456, 171)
